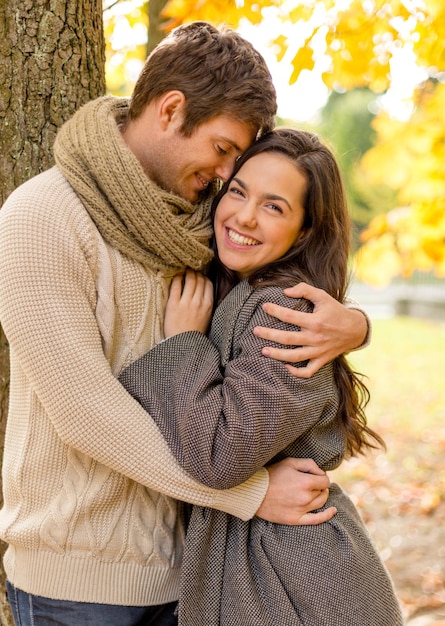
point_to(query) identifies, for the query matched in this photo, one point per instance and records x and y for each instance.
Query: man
(87, 252)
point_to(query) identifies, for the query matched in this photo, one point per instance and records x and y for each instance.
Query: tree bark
(52, 60)
(155, 23)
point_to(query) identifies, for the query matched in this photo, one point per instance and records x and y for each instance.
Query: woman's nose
(247, 215)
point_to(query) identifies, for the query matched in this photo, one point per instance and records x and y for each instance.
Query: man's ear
(170, 108)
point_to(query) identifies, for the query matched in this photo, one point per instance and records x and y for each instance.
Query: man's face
(186, 165)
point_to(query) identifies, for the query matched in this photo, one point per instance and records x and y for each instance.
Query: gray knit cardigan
(225, 411)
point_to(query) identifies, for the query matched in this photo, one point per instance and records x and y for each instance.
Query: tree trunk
(155, 23)
(52, 60)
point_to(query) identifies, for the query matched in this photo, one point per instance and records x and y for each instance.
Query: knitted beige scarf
(159, 229)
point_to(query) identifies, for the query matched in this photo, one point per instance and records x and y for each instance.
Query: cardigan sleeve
(353, 304)
(47, 310)
(223, 423)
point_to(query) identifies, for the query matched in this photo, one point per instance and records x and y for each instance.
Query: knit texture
(225, 411)
(157, 228)
(89, 482)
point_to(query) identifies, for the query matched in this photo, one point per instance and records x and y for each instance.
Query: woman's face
(260, 217)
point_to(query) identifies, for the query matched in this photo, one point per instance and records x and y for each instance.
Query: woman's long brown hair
(318, 257)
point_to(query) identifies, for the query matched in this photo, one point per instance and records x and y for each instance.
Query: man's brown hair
(218, 71)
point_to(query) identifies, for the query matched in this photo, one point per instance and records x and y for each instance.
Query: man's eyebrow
(232, 143)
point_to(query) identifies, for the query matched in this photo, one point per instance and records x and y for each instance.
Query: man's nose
(224, 170)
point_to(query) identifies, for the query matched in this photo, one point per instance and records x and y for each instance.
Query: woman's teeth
(241, 240)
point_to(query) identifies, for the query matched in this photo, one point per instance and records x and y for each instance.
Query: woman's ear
(170, 108)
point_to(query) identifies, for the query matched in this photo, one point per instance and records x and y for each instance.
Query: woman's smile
(260, 216)
(242, 240)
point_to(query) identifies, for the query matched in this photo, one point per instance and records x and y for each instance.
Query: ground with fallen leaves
(401, 493)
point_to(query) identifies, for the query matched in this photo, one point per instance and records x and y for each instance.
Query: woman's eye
(275, 207)
(221, 150)
(236, 191)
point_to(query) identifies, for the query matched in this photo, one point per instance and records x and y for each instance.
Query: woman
(226, 410)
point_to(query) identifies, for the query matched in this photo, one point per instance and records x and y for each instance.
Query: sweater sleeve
(223, 423)
(353, 304)
(47, 310)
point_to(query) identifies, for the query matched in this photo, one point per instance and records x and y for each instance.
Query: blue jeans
(29, 610)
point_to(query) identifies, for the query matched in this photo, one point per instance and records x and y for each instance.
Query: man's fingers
(284, 337)
(297, 355)
(309, 466)
(291, 355)
(310, 519)
(296, 487)
(303, 290)
(287, 315)
(308, 371)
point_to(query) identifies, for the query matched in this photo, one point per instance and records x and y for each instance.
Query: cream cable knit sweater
(89, 482)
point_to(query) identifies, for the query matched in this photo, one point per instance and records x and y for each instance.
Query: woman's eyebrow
(267, 196)
(240, 182)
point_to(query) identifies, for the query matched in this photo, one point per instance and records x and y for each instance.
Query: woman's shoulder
(243, 307)
(276, 295)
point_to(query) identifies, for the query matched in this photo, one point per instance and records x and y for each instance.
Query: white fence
(422, 296)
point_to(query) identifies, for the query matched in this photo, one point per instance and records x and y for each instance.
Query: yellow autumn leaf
(434, 249)
(303, 60)
(378, 261)
(216, 12)
(377, 226)
(281, 44)
(303, 11)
